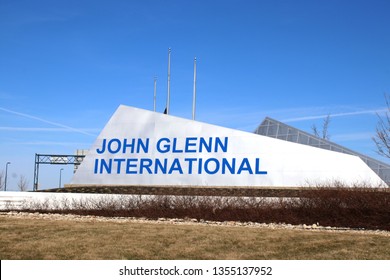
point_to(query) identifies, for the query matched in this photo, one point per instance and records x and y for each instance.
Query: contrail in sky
(362, 112)
(46, 121)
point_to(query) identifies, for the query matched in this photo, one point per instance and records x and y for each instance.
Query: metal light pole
(6, 173)
(169, 81)
(194, 92)
(59, 184)
(154, 94)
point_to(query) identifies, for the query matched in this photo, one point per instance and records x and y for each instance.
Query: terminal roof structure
(276, 129)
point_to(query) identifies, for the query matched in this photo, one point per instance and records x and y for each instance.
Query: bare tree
(382, 135)
(324, 134)
(22, 183)
(2, 181)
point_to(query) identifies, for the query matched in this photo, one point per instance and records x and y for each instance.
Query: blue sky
(65, 66)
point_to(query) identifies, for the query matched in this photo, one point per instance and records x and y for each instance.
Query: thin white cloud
(41, 129)
(353, 137)
(53, 143)
(344, 114)
(248, 119)
(47, 122)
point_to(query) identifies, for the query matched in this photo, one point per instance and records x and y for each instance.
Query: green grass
(25, 238)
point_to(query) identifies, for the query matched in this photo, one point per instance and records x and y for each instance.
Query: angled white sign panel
(143, 148)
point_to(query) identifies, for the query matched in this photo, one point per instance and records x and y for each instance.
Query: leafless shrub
(382, 136)
(332, 204)
(2, 180)
(22, 183)
(324, 134)
(64, 204)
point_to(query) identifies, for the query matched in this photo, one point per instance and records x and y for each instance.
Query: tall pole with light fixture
(194, 92)
(154, 93)
(169, 81)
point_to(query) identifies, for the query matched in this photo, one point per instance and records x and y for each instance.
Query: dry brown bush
(359, 206)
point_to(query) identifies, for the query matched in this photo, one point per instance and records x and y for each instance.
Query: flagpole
(194, 92)
(169, 80)
(154, 93)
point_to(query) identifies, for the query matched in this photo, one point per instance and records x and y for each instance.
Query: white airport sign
(144, 148)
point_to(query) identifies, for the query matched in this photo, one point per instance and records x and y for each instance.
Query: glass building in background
(273, 128)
